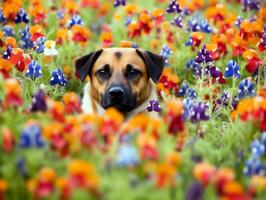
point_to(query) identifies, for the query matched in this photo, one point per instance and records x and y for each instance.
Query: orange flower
(10, 41)
(3, 185)
(173, 159)
(204, 172)
(47, 174)
(131, 9)
(51, 129)
(80, 33)
(36, 31)
(165, 175)
(233, 188)
(107, 39)
(249, 54)
(5, 65)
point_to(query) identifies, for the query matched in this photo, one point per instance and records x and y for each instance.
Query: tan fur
(118, 59)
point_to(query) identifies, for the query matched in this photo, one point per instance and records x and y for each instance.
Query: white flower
(49, 49)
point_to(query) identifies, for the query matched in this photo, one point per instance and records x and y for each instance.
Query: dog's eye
(132, 73)
(104, 73)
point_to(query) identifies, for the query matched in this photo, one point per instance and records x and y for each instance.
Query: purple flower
(58, 77)
(7, 53)
(195, 191)
(21, 167)
(21, 16)
(191, 64)
(154, 106)
(177, 21)
(238, 21)
(173, 7)
(38, 102)
(250, 5)
(119, 3)
(31, 137)
(128, 21)
(263, 39)
(246, 88)
(34, 70)
(193, 24)
(232, 69)
(198, 112)
(203, 56)
(182, 91)
(76, 19)
(223, 99)
(205, 26)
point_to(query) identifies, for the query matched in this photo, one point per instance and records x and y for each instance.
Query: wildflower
(203, 56)
(195, 39)
(204, 173)
(262, 44)
(39, 44)
(36, 32)
(58, 77)
(195, 191)
(154, 106)
(232, 69)
(254, 166)
(246, 88)
(223, 99)
(250, 5)
(8, 140)
(72, 103)
(198, 112)
(127, 156)
(57, 110)
(238, 21)
(76, 19)
(173, 7)
(158, 15)
(49, 49)
(107, 39)
(2, 16)
(38, 102)
(34, 70)
(205, 26)
(183, 90)
(8, 31)
(13, 93)
(168, 83)
(80, 33)
(25, 38)
(177, 21)
(257, 148)
(21, 167)
(119, 3)
(22, 16)
(31, 136)
(166, 52)
(253, 59)
(19, 59)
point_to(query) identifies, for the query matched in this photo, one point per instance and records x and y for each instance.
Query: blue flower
(232, 69)
(60, 14)
(173, 7)
(193, 24)
(58, 77)
(8, 31)
(34, 70)
(39, 44)
(254, 166)
(21, 166)
(263, 139)
(31, 137)
(166, 52)
(205, 26)
(190, 93)
(192, 65)
(183, 90)
(177, 21)
(2, 16)
(246, 88)
(223, 99)
(119, 3)
(189, 42)
(187, 105)
(76, 19)
(128, 21)
(25, 38)
(257, 148)
(127, 156)
(21, 16)
(250, 5)
(7, 53)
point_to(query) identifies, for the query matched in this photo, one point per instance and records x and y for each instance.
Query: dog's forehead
(121, 56)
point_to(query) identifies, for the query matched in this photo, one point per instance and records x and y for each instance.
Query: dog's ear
(84, 64)
(153, 62)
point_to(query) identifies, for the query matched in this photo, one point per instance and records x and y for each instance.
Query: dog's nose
(116, 92)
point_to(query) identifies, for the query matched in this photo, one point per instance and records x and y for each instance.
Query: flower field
(209, 141)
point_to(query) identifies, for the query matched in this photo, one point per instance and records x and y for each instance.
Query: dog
(123, 78)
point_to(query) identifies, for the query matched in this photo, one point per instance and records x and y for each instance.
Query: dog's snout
(116, 92)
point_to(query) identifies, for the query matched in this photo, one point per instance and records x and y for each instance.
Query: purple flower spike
(203, 56)
(38, 102)
(119, 3)
(173, 7)
(154, 106)
(198, 112)
(177, 21)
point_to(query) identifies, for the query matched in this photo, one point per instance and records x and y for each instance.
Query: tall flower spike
(246, 88)
(232, 69)
(22, 16)
(34, 70)
(203, 56)
(173, 7)
(58, 77)
(177, 21)
(38, 102)
(198, 112)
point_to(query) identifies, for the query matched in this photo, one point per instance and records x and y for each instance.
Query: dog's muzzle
(119, 97)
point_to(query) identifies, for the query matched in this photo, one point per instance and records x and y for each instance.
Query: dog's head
(120, 77)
